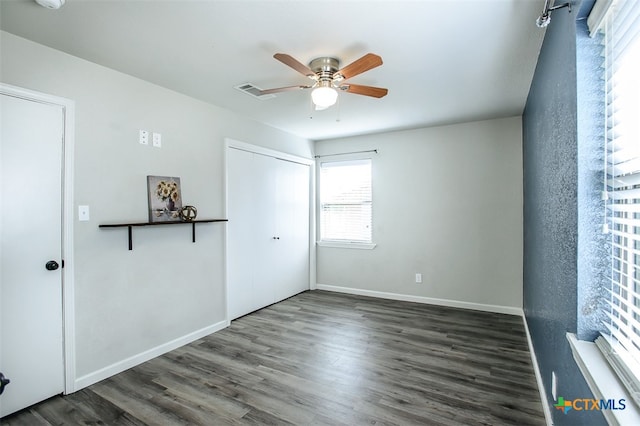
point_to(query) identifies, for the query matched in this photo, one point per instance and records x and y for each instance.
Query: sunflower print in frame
(165, 198)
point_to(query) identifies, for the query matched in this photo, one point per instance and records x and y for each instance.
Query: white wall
(447, 204)
(129, 302)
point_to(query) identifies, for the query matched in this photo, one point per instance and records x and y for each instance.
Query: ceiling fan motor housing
(324, 67)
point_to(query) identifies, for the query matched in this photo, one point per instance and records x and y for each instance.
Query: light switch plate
(144, 137)
(83, 213)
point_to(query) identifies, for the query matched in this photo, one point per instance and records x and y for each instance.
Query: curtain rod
(347, 153)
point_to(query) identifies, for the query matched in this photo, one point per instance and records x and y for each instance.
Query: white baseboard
(536, 370)
(512, 310)
(125, 364)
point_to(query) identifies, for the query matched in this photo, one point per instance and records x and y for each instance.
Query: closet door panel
(293, 228)
(265, 267)
(241, 229)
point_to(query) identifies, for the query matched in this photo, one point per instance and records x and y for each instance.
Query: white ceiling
(445, 61)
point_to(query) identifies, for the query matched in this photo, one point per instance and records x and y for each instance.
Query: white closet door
(266, 264)
(268, 230)
(251, 232)
(292, 228)
(240, 247)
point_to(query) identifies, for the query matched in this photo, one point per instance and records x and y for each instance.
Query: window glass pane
(622, 168)
(345, 201)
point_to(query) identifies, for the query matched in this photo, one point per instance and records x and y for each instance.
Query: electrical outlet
(554, 385)
(144, 137)
(418, 278)
(157, 140)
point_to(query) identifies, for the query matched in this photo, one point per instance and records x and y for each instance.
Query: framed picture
(165, 198)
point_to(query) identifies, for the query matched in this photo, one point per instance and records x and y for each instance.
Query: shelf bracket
(130, 226)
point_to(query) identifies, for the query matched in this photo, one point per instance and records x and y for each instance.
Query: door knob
(3, 382)
(51, 265)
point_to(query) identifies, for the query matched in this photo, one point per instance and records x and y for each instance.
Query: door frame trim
(243, 146)
(67, 272)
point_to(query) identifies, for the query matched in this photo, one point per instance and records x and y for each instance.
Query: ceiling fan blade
(290, 61)
(282, 89)
(361, 65)
(375, 92)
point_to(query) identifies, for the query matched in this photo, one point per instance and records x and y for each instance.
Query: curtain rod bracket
(568, 4)
(545, 18)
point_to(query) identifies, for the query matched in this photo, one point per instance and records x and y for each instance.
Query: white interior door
(31, 351)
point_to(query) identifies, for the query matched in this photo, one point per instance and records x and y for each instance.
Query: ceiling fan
(328, 78)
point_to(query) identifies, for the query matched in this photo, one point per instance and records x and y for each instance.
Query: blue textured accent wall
(593, 246)
(551, 219)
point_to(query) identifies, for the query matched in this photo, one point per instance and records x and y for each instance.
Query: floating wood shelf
(130, 226)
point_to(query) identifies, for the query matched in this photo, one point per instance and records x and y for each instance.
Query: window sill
(336, 244)
(602, 381)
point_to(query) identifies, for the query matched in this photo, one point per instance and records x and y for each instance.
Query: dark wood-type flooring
(322, 358)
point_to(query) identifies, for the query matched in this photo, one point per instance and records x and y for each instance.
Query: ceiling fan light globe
(51, 4)
(324, 97)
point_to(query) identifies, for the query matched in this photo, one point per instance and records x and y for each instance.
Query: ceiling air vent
(254, 91)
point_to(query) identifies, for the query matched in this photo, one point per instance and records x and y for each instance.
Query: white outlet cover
(157, 140)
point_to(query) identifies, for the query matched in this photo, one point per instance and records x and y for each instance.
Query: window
(622, 190)
(345, 201)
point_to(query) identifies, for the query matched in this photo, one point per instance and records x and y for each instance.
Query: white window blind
(622, 181)
(345, 201)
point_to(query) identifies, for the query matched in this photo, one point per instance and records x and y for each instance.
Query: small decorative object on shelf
(188, 213)
(165, 198)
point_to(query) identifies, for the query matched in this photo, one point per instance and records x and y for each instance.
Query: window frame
(336, 243)
(608, 370)
(621, 339)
